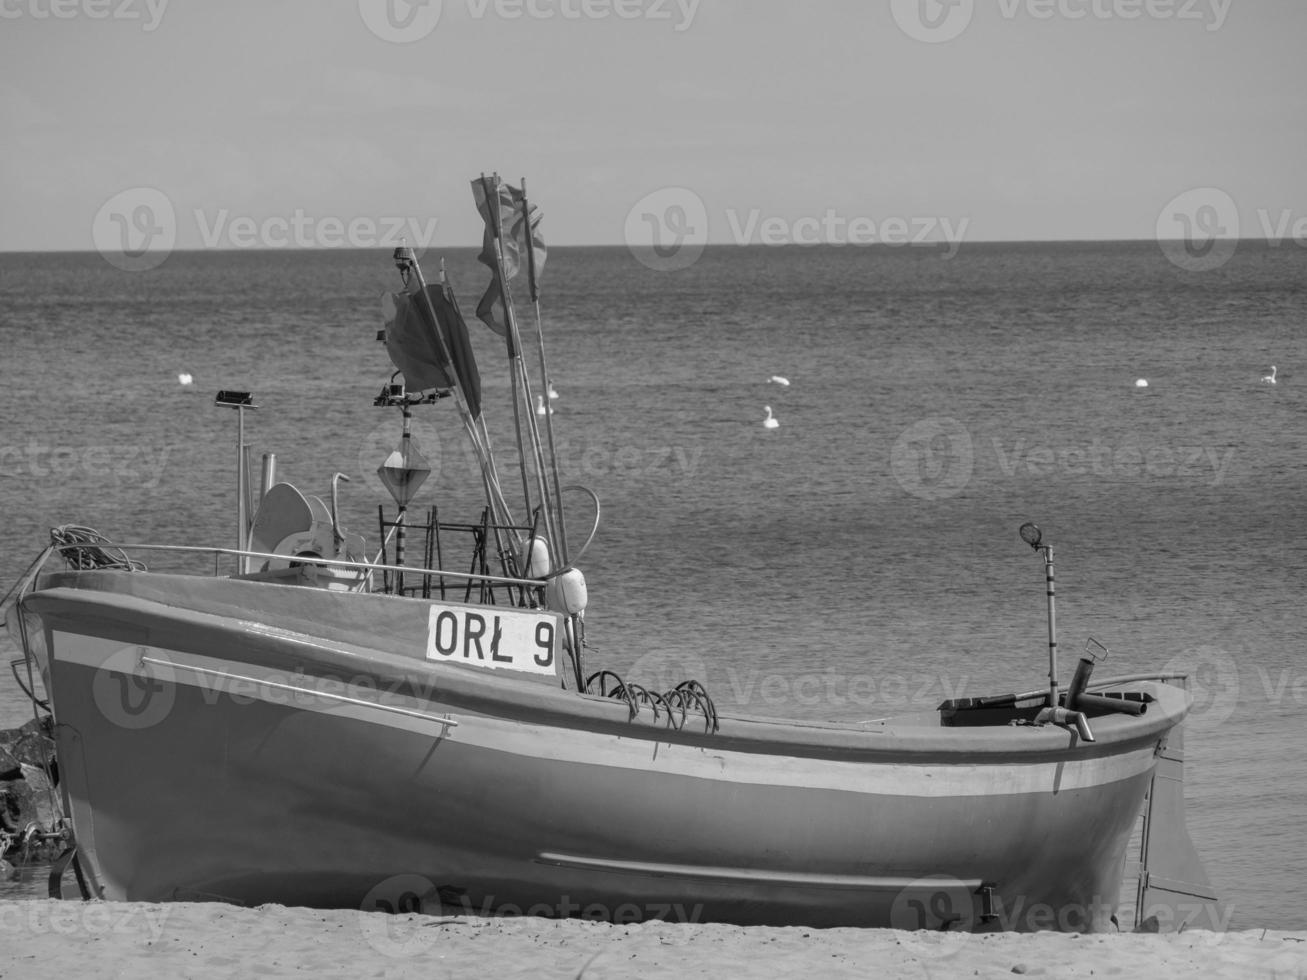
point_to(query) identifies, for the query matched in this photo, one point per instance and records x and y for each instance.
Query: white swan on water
(185, 378)
(783, 382)
(769, 422)
(1270, 378)
(552, 394)
(1141, 383)
(540, 406)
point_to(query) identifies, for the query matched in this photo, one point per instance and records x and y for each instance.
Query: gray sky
(262, 122)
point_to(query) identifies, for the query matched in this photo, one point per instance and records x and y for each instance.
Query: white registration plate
(507, 639)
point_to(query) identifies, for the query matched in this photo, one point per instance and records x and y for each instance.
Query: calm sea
(860, 558)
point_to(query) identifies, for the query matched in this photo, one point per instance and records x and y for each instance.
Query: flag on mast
(415, 348)
(500, 207)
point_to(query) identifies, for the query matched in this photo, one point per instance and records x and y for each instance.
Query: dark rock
(32, 744)
(10, 767)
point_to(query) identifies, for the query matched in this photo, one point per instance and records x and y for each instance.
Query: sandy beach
(140, 940)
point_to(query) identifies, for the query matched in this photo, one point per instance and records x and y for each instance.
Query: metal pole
(242, 563)
(1052, 629)
(404, 448)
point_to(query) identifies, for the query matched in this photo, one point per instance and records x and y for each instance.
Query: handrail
(362, 566)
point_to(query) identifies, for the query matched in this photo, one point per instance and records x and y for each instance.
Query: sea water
(859, 559)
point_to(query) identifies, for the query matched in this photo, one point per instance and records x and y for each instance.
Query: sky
(279, 123)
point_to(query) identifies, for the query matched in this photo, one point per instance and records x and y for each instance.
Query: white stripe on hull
(228, 685)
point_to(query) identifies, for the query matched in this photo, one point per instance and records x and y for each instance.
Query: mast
(408, 267)
(517, 369)
(561, 549)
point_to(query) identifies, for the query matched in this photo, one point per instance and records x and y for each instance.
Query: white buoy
(1141, 383)
(536, 562)
(769, 422)
(783, 382)
(567, 593)
(1270, 378)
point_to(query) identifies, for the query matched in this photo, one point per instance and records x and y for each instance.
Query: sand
(145, 941)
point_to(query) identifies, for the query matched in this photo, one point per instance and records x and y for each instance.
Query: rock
(10, 767)
(30, 745)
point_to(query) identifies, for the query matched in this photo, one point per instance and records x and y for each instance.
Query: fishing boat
(308, 721)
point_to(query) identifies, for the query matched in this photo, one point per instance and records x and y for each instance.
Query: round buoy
(536, 562)
(567, 592)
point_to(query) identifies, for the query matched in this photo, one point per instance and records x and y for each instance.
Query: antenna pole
(1052, 627)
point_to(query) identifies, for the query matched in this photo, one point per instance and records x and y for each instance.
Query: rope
(82, 549)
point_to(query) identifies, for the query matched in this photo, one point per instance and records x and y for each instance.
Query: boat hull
(206, 756)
